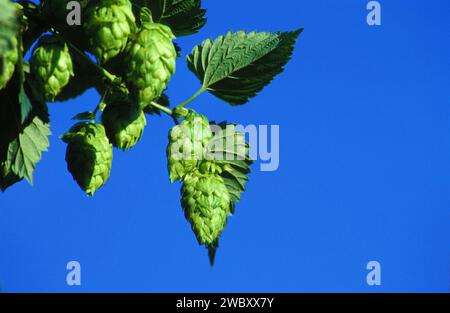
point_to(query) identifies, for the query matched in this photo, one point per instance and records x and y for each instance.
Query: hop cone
(151, 62)
(9, 62)
(51, 65)
(187, 143)
(124, 124)
(108, 24)
(207, 205)
(88, 155)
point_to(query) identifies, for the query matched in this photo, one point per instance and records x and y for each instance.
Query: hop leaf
(206, 204)
(108, 24)
(124, 124)
(88, 155)
(151, 62)
(237, 66)
(187, 143)
(184, 17)
(21, 144)
(51, 66)
(227, 154)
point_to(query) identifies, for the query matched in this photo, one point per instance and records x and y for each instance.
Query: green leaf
(230, 151)
(25, 105)
(184, 17)
(162, 100)
(237, 66)
(21, 144)
(26, 150)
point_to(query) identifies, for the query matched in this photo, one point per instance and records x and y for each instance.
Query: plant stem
(161, 108)
(198, 93)
(112, 78)
(165, 110)
(99, 105)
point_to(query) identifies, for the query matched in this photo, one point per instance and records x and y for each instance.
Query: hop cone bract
(187, 143)
(151, 62)
(51, 66)
(108, 24)
(124, 124)
(88, 155)
(206, 203)
(9, 62)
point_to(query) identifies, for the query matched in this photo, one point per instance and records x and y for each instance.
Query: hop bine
(108, 24)
(134, 62)
(151, 60)
(51, 66)
(88, 155)
(124, 124)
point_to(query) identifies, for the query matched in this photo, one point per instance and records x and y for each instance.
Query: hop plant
(187, 143)
(10, 59)
(151, 61)
(207, 205)
(51, 66)
(134, 64)
(9, 53)
(124, 124)
(108, 24)
(88, 155)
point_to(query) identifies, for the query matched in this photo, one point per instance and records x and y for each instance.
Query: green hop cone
(88, 155)
(151, 58)
(187, 143)
(9, 60)
(51, 66)
(207, 205)
(9, 45)
(108, 24)
(124, 124)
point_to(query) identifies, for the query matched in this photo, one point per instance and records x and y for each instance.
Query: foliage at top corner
(184, 17)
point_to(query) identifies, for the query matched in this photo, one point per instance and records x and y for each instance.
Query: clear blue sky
(364, 171)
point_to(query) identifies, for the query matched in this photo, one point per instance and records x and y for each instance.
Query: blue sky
(364, 171)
